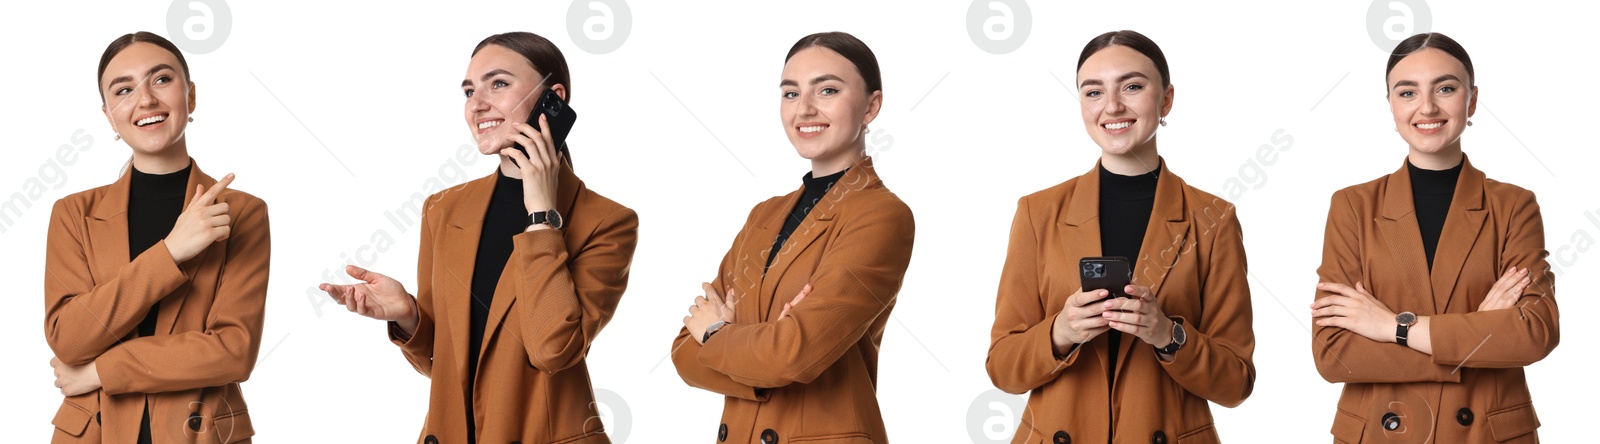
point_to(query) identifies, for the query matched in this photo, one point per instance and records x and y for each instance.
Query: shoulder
(605, 212)
(448, 199)
(79, 203)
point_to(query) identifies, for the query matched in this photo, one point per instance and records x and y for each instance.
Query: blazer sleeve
(418, 348)
(225, 351)
(1021, 356)
(1514, 337)
(1215, 362)
(1342, 355)
(84, 319)
(686, 350)
(856, 282)
(564, 307)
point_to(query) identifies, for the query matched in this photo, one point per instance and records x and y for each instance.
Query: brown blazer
(558, 290)
(207, 333)
(1193, 260)
(1472, 389)
(812, 376)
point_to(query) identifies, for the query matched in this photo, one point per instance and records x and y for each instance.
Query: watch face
(1179, 335)
(1406, 318)
(555, 219)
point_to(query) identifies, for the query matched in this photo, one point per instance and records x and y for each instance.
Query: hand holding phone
(560, 116)
(1110, 273)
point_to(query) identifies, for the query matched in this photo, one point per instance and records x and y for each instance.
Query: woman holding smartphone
(807, 372)
(518, 271)
(1434, 292)
(155, 285)
(1141, 368)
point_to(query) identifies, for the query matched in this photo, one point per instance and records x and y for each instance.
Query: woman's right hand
(1507, 290)
(1079, 321)
(379, 297)
(204, 222)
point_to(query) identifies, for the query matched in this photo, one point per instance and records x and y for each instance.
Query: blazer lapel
(108, 231)
(1461, 228)
(566, 196)
(1080, 237)
(1165, 239)
(1397, 224)
(458, 256)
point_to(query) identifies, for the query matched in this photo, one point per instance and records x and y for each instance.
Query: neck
(509, 168)
(1140, 160)
(1446, 158)
(172, 159)
(825, 166)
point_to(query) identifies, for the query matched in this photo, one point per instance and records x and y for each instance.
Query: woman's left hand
(75, 380)
(540, 167)
(1140, 316)
(1354, 309)
(708, 309)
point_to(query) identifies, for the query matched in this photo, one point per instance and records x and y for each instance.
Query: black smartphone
(1110, 273)
(560, 116)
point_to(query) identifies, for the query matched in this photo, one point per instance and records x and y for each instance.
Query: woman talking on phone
(793, 370)
(1140, 368)
(1434, 290)
(518, 271)
(155, 285)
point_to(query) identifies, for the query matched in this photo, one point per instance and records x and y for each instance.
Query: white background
(335, 114)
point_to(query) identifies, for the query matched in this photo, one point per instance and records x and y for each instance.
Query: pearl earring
(1469, 122)
(117, 137)
(191, 119)
(1163, 121)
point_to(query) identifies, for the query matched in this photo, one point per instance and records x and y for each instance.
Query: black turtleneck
(1125, 206)
(506, 217)
(1431, 192)
(811, 191)
(154, 203)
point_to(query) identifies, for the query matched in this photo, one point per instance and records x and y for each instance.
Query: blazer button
(1061, 437)
(722, 432)
(769, 436)
(430, 440)
(1159, 437)
(194, 421)
(1391, 421)
(1464, 416)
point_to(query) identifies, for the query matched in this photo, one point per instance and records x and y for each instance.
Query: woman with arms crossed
(807, 372)
(155, 285)
(1459, 256)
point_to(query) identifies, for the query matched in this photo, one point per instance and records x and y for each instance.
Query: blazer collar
(108, 226)
(476, 195)
(861, 176)
(1462, 224)
(114, 204)
(1085, 205)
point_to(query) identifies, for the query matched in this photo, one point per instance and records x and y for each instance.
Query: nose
(1429, 106)
(806, 106)
(1114, 104)
(143, 97)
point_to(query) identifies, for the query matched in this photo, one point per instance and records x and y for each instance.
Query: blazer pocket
(1513, 422)
(73, 418)
(1347, 428)
(233, 428)
(1203, 435)
(838, 438)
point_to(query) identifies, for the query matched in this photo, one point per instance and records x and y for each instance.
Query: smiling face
(147, 98)
(1122, 100)
(501, 88)
(825, 107)
(1431, 101)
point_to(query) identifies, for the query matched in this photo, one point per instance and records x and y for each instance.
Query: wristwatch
(549, 217)
(712, 329)
(1403, 322)
(1179, 336)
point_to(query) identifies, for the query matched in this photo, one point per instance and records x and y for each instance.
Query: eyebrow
(1436, 81)
(818, 79)
(1123, 78)
(487, 76)
(123, 79)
